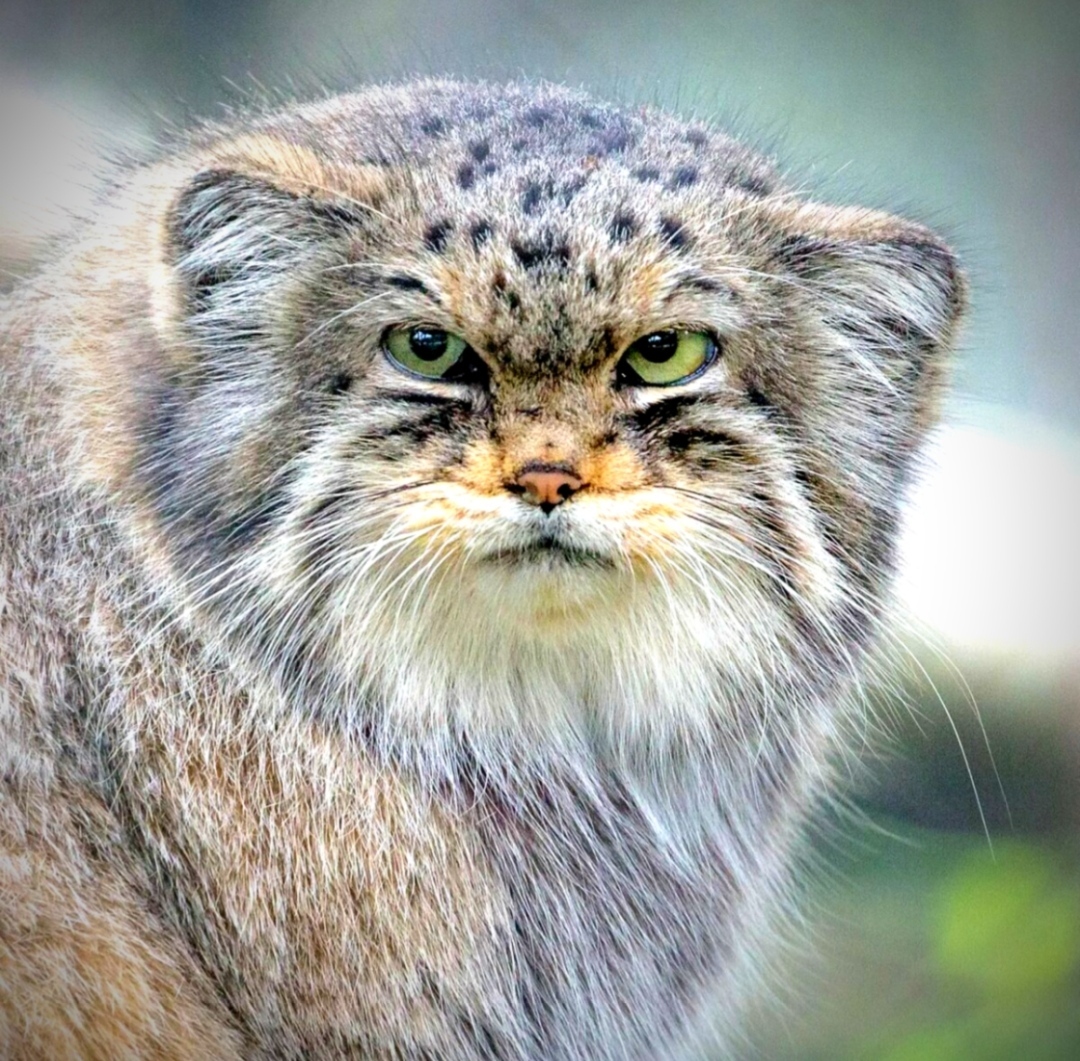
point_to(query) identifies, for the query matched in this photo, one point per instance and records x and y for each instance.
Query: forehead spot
(548, 250)
(622, 228)
(754, 185)
(571, 188)
(438, 235)
(611, 142)
(531, 197)
(674, 233)
(480, 233)
(480, 149)
(501, 291)
(683, 177)
(466, 176)
(538, 117)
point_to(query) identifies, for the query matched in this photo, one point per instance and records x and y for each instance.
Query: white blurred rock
(990, 557)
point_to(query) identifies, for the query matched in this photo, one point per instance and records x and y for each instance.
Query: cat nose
(545, 485)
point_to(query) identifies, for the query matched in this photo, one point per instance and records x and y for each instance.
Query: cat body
(355, 707)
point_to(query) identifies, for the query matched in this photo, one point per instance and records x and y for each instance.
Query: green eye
(425, 351)
(661, 358)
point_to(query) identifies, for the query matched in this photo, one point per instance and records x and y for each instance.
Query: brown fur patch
(301, 171)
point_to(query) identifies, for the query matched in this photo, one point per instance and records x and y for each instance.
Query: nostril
(545, 485)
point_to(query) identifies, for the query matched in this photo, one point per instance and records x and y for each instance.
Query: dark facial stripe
(418, 397)
(408, 283)
(663, 413)
(768, 515)
(439, 416)
(664, 421)
(715, 442)
(759, 399)
(703, 283)
(417, 429)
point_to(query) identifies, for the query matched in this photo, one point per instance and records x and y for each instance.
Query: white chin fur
(551, 651)
(625, 641)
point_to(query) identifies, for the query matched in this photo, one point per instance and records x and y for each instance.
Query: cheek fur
(435, 587)
(377, 575)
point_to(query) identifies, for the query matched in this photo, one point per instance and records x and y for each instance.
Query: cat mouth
(548, 552)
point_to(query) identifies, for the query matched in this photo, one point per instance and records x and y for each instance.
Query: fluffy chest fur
(477, 505)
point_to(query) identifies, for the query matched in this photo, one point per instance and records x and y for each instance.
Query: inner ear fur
(892, 273)
(890, 289)
(252, 209)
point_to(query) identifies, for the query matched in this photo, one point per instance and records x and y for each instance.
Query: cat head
(500, 407)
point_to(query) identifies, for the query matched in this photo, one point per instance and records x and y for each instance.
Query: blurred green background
(945, 909)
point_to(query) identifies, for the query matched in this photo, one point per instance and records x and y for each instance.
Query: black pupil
(658, 347)
(428, 344)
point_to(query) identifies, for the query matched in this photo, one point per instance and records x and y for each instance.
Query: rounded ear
(226, 225)
(891, 293)
(897, 280)
(260, 209)
(243, 227)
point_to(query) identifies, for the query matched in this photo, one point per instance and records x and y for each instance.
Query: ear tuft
(227, 225)
(892, 291)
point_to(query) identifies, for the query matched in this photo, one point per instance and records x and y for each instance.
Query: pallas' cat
(441, 529)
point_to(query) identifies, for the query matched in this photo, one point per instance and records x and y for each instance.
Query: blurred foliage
(1006, 952)
(947, 950)
(947, 906)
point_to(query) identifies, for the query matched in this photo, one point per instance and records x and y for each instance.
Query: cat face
(497, 403)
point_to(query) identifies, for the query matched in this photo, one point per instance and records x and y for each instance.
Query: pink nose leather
(546, 486)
